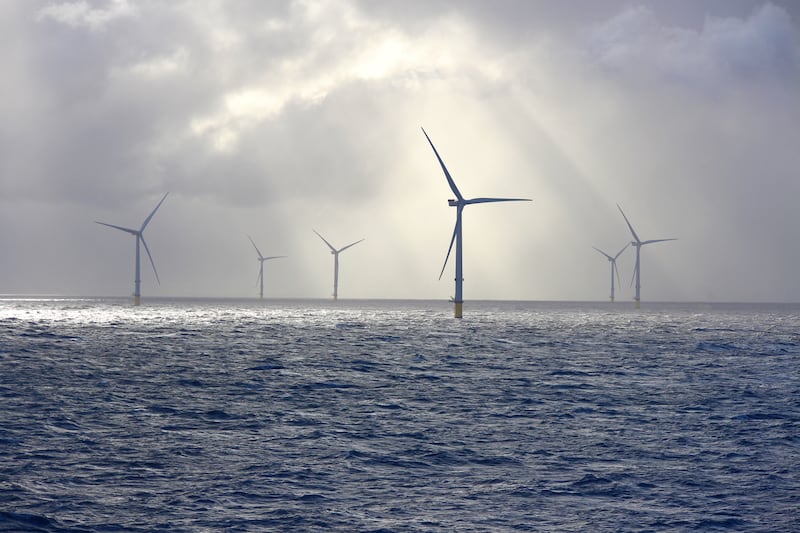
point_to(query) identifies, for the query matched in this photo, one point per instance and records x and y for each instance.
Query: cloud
(145, 108)
(275, 118)
(724, 50)
(81, 14)
(343, 48)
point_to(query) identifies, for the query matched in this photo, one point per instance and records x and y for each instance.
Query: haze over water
(392, 416)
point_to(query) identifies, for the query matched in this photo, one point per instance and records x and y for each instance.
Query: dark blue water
(392, 416)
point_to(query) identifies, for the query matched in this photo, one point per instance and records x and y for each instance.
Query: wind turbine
(614, 269)
(261, 260)
(335, 254)
(139, 234)
(459, 202)
(638, 243)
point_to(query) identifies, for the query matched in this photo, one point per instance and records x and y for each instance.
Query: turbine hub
(452, 203)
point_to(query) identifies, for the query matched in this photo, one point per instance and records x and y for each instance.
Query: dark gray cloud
(761, 47)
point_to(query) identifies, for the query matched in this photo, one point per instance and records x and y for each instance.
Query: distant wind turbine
(459, 202)
(261, 260)
(335, 254)
(638, 243)
(614, 269)
(139, 234)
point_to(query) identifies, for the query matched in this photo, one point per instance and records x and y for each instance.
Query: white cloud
(155, 67)
(81, 13)
(346, 48)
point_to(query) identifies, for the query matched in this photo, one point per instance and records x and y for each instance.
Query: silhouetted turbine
(459, 203)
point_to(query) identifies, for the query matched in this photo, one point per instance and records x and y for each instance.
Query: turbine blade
(348, 246)
(273, 257)
(256, 247)
(635, 237)
(450, 249)
(614, 266)
(444, 168)
(326, 242)
(260, 273)
(147, 220)
(651, 241)
(127, 230)
(152, 263)
(620, 252)
(602, 252)
(489, 200)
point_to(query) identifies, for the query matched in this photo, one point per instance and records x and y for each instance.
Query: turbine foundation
(458, 311)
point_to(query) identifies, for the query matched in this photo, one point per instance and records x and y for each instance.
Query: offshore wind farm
(456, 241)
(520, 396)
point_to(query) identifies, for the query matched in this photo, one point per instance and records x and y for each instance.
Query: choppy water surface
(392, 416)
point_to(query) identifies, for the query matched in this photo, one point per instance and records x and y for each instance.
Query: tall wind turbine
(638, 243)
(335, 254)
(614, 269)
(139, 234)
(459, 202)
(261, 260)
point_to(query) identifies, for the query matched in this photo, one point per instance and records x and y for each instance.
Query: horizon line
(617, 303)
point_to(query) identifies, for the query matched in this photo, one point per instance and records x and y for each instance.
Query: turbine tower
(459, 203)
(139, 234)
(261, 260)
(335, 254)
(614, 269)
(638, 243)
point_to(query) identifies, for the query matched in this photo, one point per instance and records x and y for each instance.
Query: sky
(273, 119)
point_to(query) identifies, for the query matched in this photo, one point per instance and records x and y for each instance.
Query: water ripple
(391, 416)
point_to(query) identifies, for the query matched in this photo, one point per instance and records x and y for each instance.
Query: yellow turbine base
(638, 304)
(136, 300)
(458, 312)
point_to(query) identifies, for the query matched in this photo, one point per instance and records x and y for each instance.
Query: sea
(383, 416)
